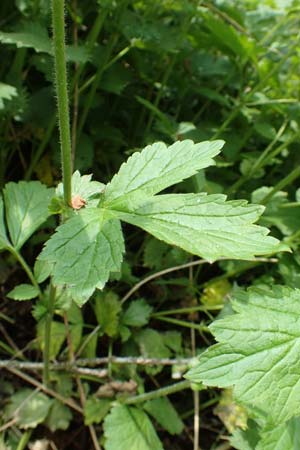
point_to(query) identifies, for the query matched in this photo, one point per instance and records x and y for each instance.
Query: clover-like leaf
(258, 352)
(26, 205)
(156, 168)
(204, 225)
(129, 428)
(84, 251)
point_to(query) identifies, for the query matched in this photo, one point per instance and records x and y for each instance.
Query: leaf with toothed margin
(156, 168)
(258, 352)
(204, 225)
(83, 186)
(83, 251)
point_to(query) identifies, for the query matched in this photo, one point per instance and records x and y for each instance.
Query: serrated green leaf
(84, 251)
(258, 352)
(95, 409)
(107, 310)
(205, 225)
(83, 186)
(29, 36)
(7, 92)
(162, 410)
(59, 416)
(156, 168)
(34, 35)
(137, 314)
(23, 292)
(285, 436)
(129, 428)
(4, 242)
(29, 408)
(26, 205)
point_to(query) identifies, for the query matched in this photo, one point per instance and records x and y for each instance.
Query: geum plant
(258, 349)
(89, 245)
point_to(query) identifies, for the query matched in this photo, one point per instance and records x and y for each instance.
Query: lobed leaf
(156, 168)
(204, 225)
(84, 251)
(258, 352)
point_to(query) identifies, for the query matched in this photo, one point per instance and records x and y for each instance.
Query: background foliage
(141, 72)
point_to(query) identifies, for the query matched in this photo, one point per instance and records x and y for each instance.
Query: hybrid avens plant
(88, 246)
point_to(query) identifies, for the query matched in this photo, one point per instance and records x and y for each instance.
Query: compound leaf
(84, 251)
(156, 168)
(258, 352)
(204, 225)
(129, 428)
(26, 205)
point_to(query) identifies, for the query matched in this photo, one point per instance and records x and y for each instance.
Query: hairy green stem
(47, 343)
(62, 95)
(163, 392)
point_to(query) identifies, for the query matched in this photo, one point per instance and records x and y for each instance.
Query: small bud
(77, 202)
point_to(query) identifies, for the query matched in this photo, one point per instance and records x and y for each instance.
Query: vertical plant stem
(48, 322)
(62, 95)
(24, 439)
